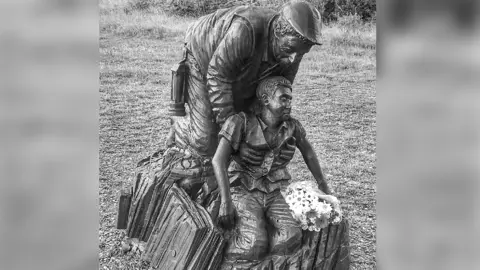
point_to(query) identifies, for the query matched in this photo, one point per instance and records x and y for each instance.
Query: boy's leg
(249, 239)
(286, 237)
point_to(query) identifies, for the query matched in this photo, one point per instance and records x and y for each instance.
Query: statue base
(177, 222)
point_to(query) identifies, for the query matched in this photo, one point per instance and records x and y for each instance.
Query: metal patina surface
(212, 199)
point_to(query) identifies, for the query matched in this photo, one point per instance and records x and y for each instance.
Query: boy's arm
(226, 215)
(219, 163)
(230, 137)
(313, 165)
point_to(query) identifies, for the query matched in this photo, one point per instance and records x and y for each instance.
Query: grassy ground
(334, 97)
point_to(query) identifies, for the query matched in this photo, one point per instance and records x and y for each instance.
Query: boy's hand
(226, 215)
(333, 201)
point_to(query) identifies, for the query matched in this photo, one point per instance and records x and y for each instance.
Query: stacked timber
(184, 236)
(328, 249)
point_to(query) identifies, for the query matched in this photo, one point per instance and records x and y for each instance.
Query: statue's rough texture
(183, 207)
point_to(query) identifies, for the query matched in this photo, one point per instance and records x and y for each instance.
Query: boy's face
(280, 104)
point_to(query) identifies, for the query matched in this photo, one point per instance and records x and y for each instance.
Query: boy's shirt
(248, 131)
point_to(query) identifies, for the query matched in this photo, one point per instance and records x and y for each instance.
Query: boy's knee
(286, 240)
(247, 247)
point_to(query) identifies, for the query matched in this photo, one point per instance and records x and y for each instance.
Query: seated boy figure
(251, 201)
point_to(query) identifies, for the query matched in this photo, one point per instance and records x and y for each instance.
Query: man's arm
(313, 165)
(228, 61)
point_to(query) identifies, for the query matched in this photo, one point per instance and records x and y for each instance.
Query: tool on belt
(178, 93)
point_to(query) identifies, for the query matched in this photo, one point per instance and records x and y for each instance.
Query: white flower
(311, 214)
(326, 208)
(321, 222)
(311, 207)
(336, 220)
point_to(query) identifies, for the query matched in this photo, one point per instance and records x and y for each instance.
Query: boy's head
(275, 94)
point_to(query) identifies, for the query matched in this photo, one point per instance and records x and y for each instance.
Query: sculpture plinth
(172, 232)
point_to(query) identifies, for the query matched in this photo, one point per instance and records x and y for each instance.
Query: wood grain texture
(184, 236)
(124, 207)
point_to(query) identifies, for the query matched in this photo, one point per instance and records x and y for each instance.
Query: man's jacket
(231, 48)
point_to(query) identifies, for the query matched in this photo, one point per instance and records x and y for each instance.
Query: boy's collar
(264, 126)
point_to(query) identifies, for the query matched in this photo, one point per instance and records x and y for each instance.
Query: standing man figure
(227, 53)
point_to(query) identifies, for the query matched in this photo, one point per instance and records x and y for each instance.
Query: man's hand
(226, 215)
(250, 156)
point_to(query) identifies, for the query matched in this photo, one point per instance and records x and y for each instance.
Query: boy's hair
(269, 85)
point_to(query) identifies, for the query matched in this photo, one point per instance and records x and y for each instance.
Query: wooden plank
(159, 191)
(333, 248)
(184, 236)
(139, 204)
(124, 207)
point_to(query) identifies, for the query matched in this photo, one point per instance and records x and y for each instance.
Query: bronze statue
(227, 54)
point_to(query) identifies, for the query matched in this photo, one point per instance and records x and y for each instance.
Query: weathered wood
(184, 236)
(163, 181)
(327, 249)
(144, 183)
(156, 201)
(124, 207)
(141, 200)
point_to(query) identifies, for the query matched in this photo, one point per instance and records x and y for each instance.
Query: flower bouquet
(311, 207)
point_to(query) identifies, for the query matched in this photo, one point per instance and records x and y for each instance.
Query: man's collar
(267, 38)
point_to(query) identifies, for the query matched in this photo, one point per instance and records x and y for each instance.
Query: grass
(334, 98)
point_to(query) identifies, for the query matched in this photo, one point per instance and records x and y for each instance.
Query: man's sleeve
(228, 61)
(291, 71)
(233, 130)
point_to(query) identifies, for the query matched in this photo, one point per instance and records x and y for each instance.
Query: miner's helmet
(304, 18)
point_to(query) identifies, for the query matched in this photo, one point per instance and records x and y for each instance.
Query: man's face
(290, 47)
(280, 103)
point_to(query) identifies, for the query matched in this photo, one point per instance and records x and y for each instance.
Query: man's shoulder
(254, 12)
(258, 17)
